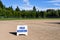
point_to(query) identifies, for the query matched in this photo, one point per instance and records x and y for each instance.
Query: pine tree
(17, 9)
(1, 4)
(34, 8)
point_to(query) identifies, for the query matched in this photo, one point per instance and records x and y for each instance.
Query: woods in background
(17, 13)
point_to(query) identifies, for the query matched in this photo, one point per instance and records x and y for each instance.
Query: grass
(29, 18)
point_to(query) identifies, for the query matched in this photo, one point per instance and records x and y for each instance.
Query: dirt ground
(37, 30)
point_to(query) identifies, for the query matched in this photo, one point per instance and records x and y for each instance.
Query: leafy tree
(51, 13)
(58, 12)
(8, 12)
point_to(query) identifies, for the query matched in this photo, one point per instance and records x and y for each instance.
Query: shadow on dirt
(15, 33)
(53, 22)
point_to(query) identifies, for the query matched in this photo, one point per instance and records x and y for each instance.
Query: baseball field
(37, 29)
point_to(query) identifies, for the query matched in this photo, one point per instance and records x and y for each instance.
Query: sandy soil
(38, 29)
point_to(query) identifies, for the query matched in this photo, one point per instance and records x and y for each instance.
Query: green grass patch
(29, 18)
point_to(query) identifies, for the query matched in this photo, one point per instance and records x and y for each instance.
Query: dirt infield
(38, 30)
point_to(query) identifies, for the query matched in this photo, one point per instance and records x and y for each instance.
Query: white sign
(22, 29)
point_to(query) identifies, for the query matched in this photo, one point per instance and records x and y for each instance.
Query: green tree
(51, 13)
(58, 12)
(1, 4)
(17, 9)
(34, 8)
(9, 8)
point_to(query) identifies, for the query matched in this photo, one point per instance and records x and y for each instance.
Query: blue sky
(28, 4)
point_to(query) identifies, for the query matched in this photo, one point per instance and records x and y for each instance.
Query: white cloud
(26, 0)
(44, 9)
(23, 7)
(27, 6)
(57, 4)
(54, 1)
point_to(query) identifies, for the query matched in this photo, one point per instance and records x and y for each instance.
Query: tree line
(8, 12)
